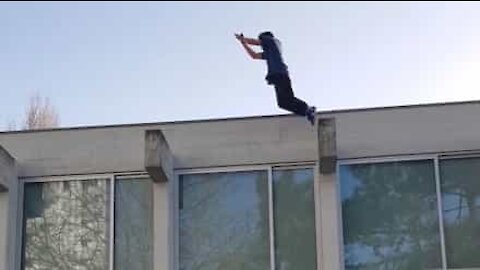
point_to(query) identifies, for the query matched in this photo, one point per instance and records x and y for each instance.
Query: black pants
(285, 97)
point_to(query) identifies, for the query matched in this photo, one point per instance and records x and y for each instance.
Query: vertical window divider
(270, 218)
(112, 223)
(440, 212)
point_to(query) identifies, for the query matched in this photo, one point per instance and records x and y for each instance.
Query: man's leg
(286, 99)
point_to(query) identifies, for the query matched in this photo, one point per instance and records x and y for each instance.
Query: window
(390, 216)
(404, 215)
(460, 185)
(294, 217)
(67, 224)
(133, 224)
(225, 220)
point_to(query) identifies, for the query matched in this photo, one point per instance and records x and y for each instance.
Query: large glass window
(67, 225)
(133, 224)
(390, 216)
(294, 217)
(460, 185)
(225, 221)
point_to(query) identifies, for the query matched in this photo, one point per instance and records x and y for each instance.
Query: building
(382, 188)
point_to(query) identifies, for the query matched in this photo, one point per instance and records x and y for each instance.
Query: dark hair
(265, 34)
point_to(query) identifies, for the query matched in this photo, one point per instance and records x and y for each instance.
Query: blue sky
(128, 62)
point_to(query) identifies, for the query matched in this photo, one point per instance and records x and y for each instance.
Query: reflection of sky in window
(349, 183)
(459, 177)
(242, 193)
(364, 254)
(356, 254)
(298, 176)
(235, 193)
(455, 208)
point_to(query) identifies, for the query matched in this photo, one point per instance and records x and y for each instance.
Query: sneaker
(311, 111)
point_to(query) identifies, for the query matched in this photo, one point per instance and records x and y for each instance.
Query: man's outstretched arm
(250, 41)
(252, 53)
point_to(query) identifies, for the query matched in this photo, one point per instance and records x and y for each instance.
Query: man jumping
(277, 73)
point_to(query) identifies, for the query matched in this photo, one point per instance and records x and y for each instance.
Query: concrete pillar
(8, 209)
(162, 245)
(159, 165)
(158, 158)
(327, 145)
(330, 233)
(7, 169)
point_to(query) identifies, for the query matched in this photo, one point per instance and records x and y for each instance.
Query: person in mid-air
(277, 75)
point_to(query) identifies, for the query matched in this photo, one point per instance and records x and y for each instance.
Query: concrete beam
(7, 169)
(158, 157)
(327, 145)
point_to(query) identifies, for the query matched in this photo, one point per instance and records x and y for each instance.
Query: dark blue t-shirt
(273, 55)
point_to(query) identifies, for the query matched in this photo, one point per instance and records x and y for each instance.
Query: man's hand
(245, 42)
(249, 41)
(239, 37)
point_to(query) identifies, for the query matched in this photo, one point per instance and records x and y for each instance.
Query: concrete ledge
(158, 157)
(327, 145)
(7, 169)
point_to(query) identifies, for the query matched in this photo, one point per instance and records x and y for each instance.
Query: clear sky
(129, 62)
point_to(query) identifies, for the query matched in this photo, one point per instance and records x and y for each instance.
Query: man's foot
(311, 111)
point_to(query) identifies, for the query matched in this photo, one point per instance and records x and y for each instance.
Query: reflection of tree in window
(224, 221)
(294, 218)
(390, 218)
(133, 224)
(460, 180)
(66, 226)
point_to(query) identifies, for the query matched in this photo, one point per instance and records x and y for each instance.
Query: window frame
(435, 158)
(112, 177)
(446, 157)
(269, 169)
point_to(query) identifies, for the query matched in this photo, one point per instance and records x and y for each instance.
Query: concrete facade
(357, 134)
(8, 200)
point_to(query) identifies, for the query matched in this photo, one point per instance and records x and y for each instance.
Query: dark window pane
(390, 216)
(224, 221)
(460, 180)
(294, 218)
(133, 224)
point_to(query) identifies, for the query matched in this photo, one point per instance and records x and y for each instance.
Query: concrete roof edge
(182, 122)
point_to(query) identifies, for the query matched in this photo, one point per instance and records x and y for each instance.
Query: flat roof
(436, 104)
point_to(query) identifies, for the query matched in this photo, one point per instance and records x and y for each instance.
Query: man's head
(265, 34)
